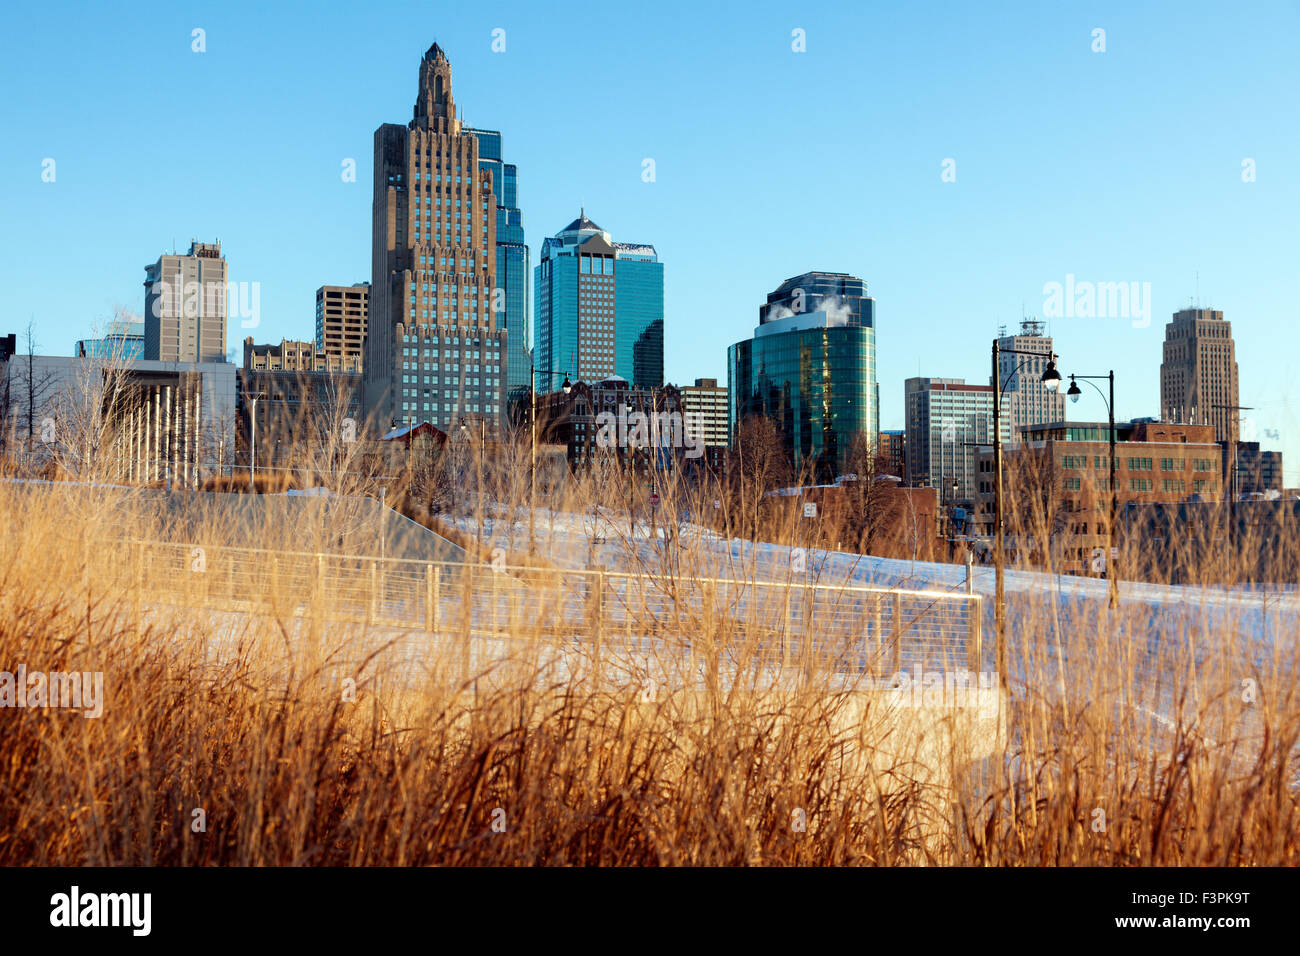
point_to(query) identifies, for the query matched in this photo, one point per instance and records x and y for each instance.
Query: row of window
(413, 408)
(445, 340)
(462, 262)
(396, 178)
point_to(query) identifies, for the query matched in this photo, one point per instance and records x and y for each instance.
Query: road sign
(810, 509)
(654, 500)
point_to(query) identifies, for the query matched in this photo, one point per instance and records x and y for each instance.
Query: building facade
(342, 314)
(946, 422)
(811, 368)
(615, 424)
(1027, 401)
(302, 396)
(600, 308)
(1198, 376)
(705, 407)
(1056, 484)
(513, 301)
(891, 452)
(1258, 472)
(146, 421)
(185, 306)
(435, 350)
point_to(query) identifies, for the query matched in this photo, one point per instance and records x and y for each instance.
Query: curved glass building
(811, 368)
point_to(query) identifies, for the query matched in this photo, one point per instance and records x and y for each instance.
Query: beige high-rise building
(434, 349)
(1198, 377)
(1026, 400)
(341, 315)
(705, 402)
(185, 306)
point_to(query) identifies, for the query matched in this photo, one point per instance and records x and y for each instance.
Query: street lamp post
(1112, 554)
(1051, 378)
(532, 458)
(252, 442)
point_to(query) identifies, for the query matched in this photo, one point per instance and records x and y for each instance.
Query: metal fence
(850, 628)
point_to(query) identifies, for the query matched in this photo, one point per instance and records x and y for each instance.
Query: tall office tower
(946, 421)
(435, 350)
(341, 315)
(185, 306)
(513, 272)
(599, 308)
(1027, 400)
(811, 368)
(1198, 377)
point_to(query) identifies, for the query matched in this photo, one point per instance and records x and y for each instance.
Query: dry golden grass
(305, 740)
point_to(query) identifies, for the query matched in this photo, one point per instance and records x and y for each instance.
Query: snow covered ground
(1050, 617)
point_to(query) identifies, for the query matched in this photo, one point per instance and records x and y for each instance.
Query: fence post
(138, 590)
(898, 632)
(320, 586)
(974, 610)
(436, 596)
(496, 602)
(877, 660)
(596, 606)
(374, 591)
(467, 610)
(430, 615)
(785, 628)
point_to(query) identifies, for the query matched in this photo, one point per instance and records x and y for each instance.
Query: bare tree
(27, 389)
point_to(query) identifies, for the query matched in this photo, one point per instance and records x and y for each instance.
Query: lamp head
(1051, 377)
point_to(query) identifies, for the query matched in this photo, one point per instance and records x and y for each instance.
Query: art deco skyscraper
(434, 348)
(1198, 377)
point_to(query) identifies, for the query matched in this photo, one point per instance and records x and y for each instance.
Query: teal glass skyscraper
(811, 368)
(599, 307)
(513, 272)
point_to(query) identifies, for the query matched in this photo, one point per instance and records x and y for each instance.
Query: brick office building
(1056, 484)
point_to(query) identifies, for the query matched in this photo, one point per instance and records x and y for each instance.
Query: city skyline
(1076, 178)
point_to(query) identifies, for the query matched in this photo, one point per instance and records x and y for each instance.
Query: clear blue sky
(1117, 166)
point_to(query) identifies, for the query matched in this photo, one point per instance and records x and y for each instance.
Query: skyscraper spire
(434, 107)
